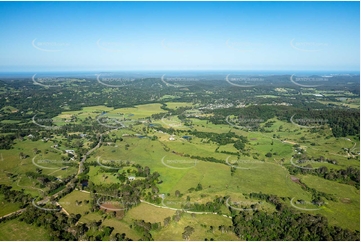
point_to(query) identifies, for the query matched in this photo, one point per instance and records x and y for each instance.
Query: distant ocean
(159, 73)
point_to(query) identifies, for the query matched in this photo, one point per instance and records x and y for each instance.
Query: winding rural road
(9, 214)
(81, 165)
(175, 209)
(186, 211)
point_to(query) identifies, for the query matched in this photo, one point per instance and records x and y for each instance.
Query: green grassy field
(91, 217)
(69, 202)
(15, 230)
(49, 161)
(150, 153)
(120, 226)
(7, 207)
(174, 230)
(102, 177)
(148, 213)
(9, 109)
(351, 104)
(10, 121)
(267, 177)
(176, 105)
(255, 172)
(344, 213)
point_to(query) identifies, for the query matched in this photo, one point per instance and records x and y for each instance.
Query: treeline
(61, 227)
(45, 180)
(343, 122)
(349, 175)
(251, 112)
(214, 206)
(144, 229)
(286, 224)
(289, 226)
(7, 141)
(23, 130)
(209, 159)
(129, 191)
(56, 223)
(47, 100)
(317, 195)
(222, 138)
(13, 196)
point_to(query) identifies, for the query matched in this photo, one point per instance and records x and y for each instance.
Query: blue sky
(104, 36)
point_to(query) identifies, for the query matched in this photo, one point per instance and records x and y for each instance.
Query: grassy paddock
(174, 230)
(15, 230)
(344, 213)
(6, 207)
(148, 213)
(70, 205)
